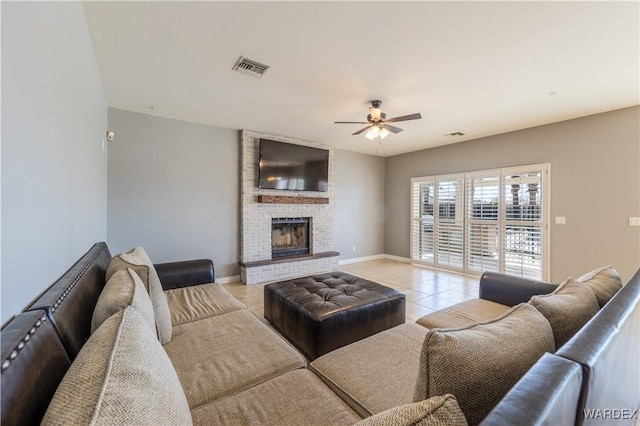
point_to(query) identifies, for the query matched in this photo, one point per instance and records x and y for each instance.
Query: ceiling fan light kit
(376, 120)
(376, 132)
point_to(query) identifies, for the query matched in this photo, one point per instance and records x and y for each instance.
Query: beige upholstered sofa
(107, 344)
(479, 349)
(192, 353)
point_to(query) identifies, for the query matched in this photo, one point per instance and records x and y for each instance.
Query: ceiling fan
(377, 122)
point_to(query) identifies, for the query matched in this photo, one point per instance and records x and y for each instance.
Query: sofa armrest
(511, 290)
(185, 273)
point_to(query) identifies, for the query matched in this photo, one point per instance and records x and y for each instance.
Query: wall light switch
(561, 220)
(634, 221)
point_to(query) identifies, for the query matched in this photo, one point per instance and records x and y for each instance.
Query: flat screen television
(293, 167)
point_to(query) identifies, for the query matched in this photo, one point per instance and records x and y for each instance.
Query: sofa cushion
(294, 398)
(604, 282)
(138, 260)
(567, 309)
(225, 354)
(123, 289)
(462, 314)
(478, 364)
(435, 411)
(198, 302)
(376, 373)
(122, 375)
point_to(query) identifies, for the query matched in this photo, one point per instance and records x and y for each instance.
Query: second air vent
(250, 67)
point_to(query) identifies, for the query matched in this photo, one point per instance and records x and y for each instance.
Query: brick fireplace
(270, 224)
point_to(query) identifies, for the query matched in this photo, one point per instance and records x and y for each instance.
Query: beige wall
(54, 166)
(358, 204)
(173, 189)
(595, 183)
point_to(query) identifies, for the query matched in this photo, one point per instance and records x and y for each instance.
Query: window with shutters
(422, 221)
(490, 220)
(524, 222)
(449, 222)
(483, 221)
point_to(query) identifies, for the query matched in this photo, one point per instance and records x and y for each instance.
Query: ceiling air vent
(250, 67)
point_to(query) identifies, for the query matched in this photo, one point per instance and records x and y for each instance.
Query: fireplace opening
(289, 237)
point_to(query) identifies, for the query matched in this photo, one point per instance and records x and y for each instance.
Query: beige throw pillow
(121, 376)
(435, 411)
(604, 282)
(124, 288)
(138, 260)
(567, 309)
(478, 364)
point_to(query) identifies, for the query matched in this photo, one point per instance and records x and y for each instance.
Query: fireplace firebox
(289, 237)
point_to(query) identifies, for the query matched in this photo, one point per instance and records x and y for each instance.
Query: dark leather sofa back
(33, 364)
(547, 395)
(608, 348)
(69, 302)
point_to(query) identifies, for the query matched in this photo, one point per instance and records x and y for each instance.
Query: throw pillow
(122, 375)
(567, 309)
(604, 282)
(435, 411)
(479, 363)
(138, 260)
(123, 289)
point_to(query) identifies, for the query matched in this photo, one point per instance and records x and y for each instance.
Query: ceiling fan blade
(361, 130)
(351, 122)
(392, 129)
(415, 116)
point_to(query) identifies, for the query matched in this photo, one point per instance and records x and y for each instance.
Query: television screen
(293, 167)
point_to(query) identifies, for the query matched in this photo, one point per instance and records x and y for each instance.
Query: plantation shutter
(422, 223)
(524, 223)
(483, 217)
(449, 224)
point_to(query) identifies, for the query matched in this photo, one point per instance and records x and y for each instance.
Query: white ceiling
(481, 68)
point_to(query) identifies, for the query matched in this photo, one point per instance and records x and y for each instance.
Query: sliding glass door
(490, 220)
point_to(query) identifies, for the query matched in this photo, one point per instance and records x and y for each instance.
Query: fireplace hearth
(289, 237)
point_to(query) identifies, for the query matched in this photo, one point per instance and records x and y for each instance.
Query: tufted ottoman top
(326, 294)
(322, 312)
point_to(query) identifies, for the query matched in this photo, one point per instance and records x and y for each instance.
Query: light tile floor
(427, 290)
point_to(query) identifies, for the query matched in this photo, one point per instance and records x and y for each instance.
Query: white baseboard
(361, 259)
(397, 258)
(227, 280)
(375, 257)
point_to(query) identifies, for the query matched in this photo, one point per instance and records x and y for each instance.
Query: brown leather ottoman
(324, 312)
